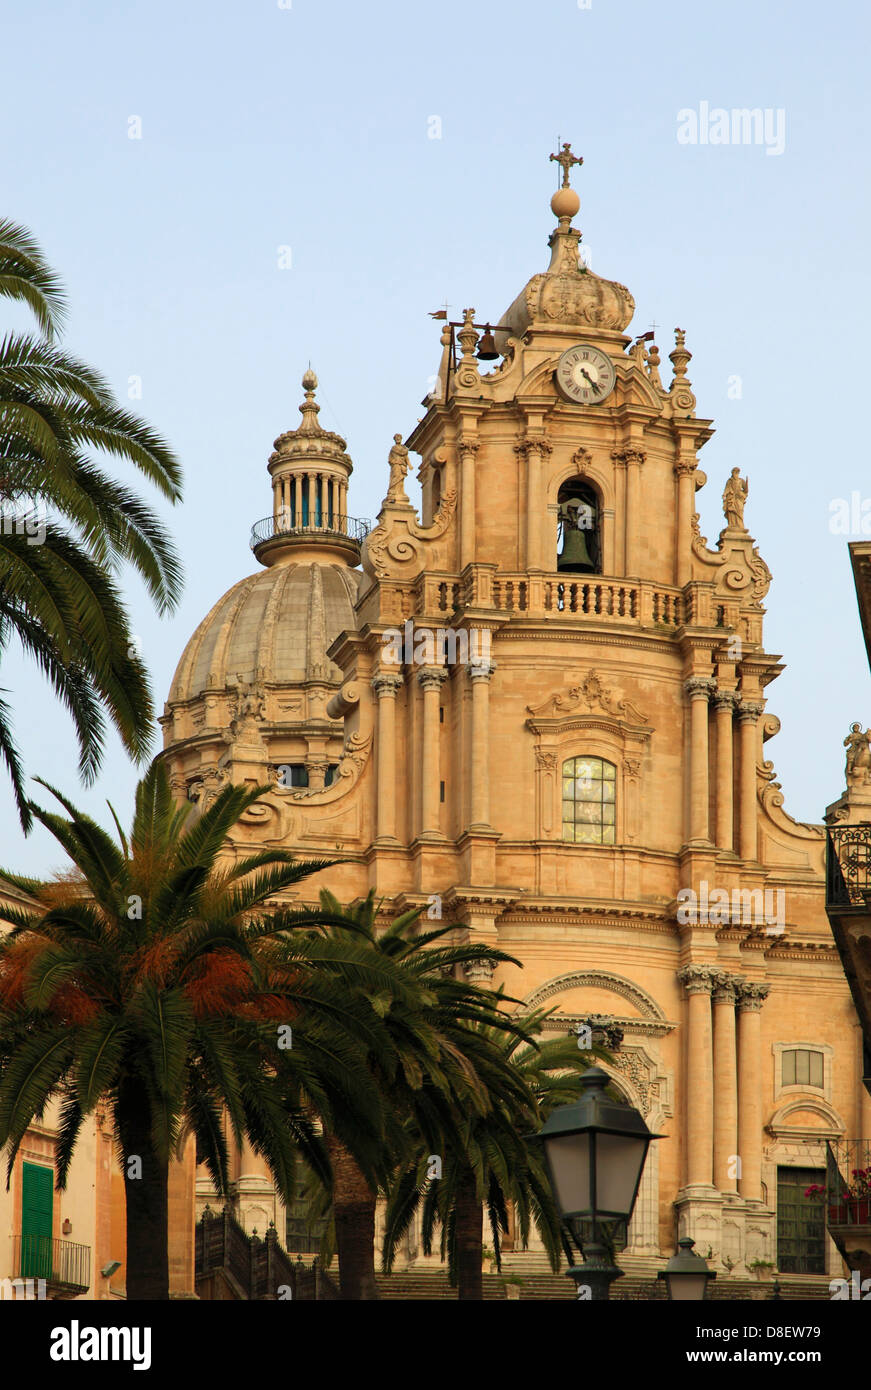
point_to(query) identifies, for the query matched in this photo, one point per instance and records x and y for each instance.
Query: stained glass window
(589, 801)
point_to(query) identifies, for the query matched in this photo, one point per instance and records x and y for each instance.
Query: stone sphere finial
(565, 202)
(309, 380)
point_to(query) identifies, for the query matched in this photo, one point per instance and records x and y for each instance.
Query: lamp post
(595, 1151)
(686, 1274)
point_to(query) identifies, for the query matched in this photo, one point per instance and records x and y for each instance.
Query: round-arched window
(589, 801)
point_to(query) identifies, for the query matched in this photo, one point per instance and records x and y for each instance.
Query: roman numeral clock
(585, 375)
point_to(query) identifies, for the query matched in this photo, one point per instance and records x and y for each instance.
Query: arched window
(589, 801)
(579, 532)
(801, 1067)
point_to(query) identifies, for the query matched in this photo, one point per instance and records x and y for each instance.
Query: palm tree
(160, 991)
(495, 1163)
(441, 1064)
(66, 525)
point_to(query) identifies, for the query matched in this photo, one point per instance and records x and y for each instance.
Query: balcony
(637, 603)
(65, 1266)
(848, 868)
(348, 530)
(848, 907)
(848, 1201)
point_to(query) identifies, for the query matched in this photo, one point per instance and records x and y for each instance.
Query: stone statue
(250, 702)
(399, 466)
(734, 496)
(858, 755)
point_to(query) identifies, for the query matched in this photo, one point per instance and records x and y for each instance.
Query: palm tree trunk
(469, 1230)
(354, 1214)
(146, 1183)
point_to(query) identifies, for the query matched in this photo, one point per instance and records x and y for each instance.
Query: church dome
(274, 626)
(568, 297)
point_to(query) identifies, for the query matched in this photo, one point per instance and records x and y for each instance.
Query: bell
(576, 517)
(487, 346)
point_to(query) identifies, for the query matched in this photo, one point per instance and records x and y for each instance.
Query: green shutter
(37, 1194)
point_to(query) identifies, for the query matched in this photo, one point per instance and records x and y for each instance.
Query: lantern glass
(569, 1158)
(684, 1287)
(619, 1161)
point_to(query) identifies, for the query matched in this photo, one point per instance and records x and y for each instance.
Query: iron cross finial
(566, 159)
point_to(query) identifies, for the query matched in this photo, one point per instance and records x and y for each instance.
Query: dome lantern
(310, 470)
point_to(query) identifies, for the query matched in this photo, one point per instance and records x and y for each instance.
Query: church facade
(538, 708)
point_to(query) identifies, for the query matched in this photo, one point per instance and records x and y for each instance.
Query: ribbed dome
(275, 626)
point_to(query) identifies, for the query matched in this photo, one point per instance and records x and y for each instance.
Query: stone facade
(474, 688)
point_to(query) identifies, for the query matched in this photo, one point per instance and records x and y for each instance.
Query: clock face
(585, 375)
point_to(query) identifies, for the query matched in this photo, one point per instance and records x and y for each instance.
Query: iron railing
(348, 527)
(848, 867)
(260, 1268)
(58, 1262)
(848, 1182)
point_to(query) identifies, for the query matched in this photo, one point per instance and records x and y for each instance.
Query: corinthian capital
(726, 987)
(750, 709)
(752, 994)
(534, 444)
(431, 677)
(725, 699)
(628, 456)
(700, 686)
(697, 979)
(386, 683)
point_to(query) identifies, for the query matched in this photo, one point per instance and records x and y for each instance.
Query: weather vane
(566, 159)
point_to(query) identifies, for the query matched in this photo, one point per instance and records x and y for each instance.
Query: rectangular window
(801, 1067)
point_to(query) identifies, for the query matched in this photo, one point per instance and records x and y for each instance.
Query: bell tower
(552, 694)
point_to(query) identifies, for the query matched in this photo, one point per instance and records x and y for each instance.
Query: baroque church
(545, 722)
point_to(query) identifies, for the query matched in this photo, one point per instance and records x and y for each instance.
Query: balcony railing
(848, 1182)
(62, 1264)
(347, 527)
(848, 867)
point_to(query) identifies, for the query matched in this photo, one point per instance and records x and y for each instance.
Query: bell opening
(579, 550)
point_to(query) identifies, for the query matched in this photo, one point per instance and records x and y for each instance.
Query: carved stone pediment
(592, 698)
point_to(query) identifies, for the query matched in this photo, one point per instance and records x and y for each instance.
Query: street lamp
(595, 1151)
(686, 1274)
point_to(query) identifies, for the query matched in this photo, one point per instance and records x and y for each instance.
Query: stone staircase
(541, 1284)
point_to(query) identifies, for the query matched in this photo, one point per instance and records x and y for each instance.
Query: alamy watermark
(425, 646)
(715, 125)
(743, 907)
(24, 518)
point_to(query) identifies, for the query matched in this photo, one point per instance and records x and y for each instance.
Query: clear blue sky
(307, 127)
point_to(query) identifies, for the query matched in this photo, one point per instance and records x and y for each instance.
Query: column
(748, 712)
(698, 689)
(310, 481)
(535, 451)
(634, 459)
(479, 676)
(684, 470)
(725, 1083)
(468, 449)
(430, 679)
(751, 995)
(724, 708)
(699, 1109)
(386, 685)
